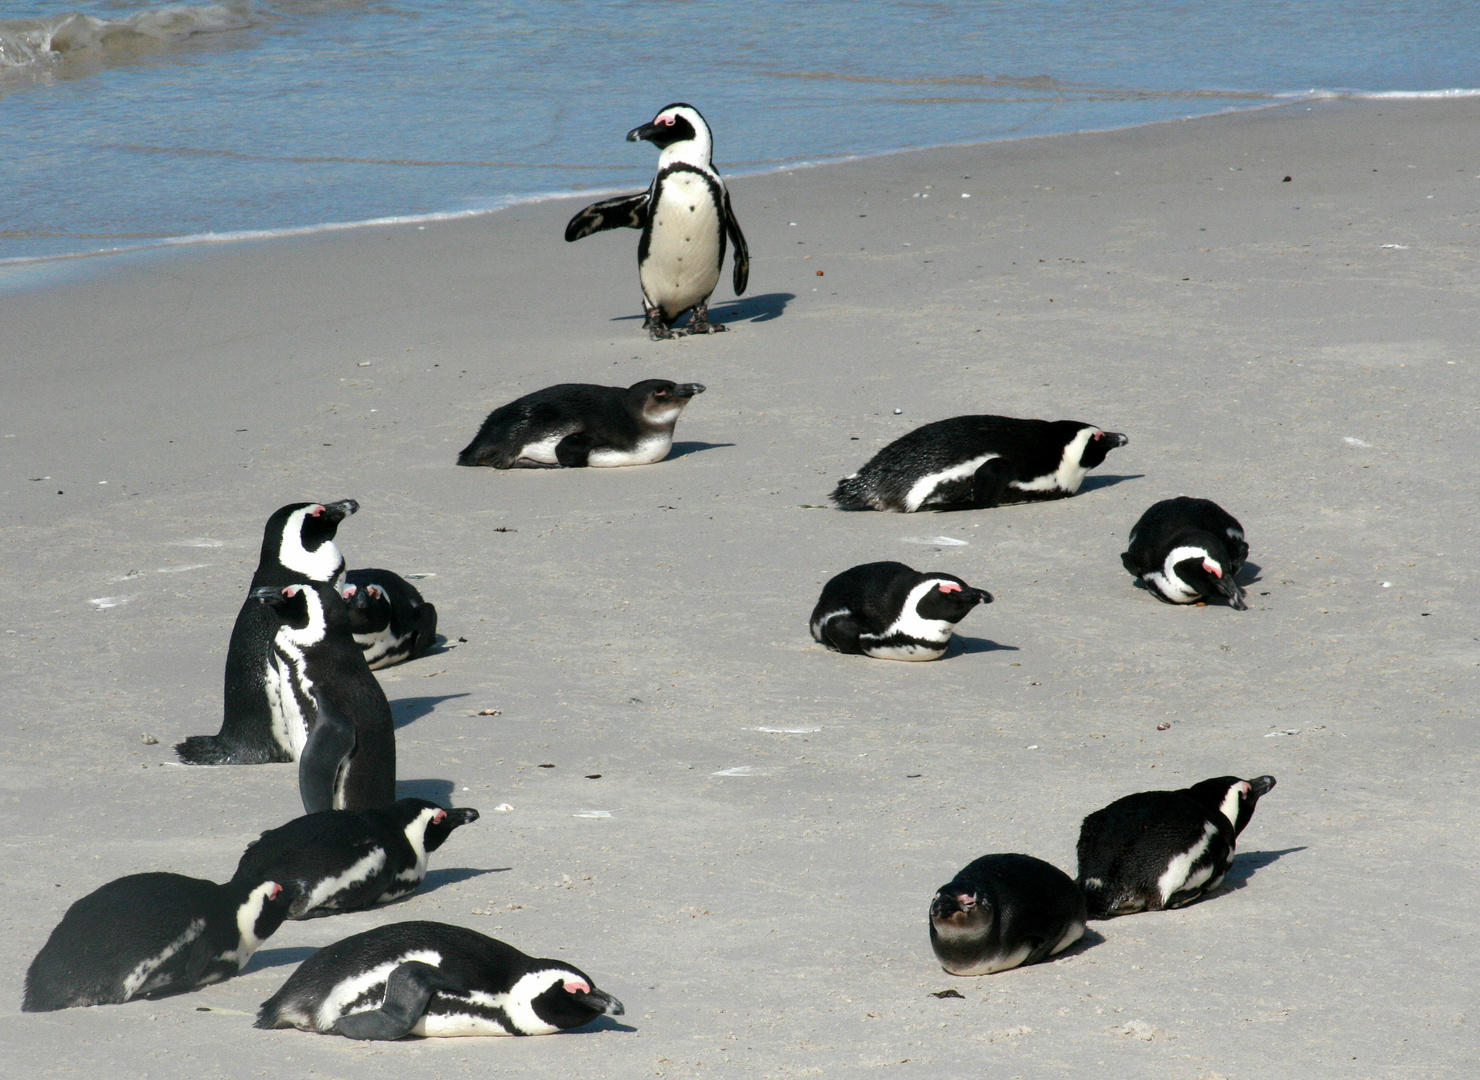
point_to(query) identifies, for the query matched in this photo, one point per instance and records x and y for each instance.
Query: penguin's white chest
(682, 264)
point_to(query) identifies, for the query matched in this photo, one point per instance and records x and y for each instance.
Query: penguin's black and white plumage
(1164, 849)
(891, 612)
(1185, 550)
(577, 424)
(388, 617)
(297, 545)
(150, 936)
(977, 462)
(685, 218)
(433, 979)
(1002, 911)
(348, 860)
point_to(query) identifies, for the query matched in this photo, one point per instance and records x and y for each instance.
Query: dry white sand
(773, 817)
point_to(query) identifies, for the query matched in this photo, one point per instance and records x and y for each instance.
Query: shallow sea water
(134, 124)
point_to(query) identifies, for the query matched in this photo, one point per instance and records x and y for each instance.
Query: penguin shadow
(271, 958)
(451, 875)
(407, 710)
(1249, 573)
(1246, 864)
(1104, 480)
(438, 647)
(1088, 940)
(601, 1023)
(437, 791)
(965, 646)
(680, 449)
(755, 309)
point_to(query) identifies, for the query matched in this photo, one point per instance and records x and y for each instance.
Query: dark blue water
(134, 123)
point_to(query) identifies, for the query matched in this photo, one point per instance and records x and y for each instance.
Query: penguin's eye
(274, 892)
(1099, 435)
(350, 590)
(317, 511)
(439, 817)
(948, 587)
(576, 986)
(667, 121)
(291, 590)
(1212, 568)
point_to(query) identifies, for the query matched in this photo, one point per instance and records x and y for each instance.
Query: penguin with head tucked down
(348, 860)
(388, 617)
(150, 936)
(891, 612)
(1184, 550)
(1002, 911)
(1164, 849)
(685, 218)
(977, 462)
(433, 979)
(297, 545)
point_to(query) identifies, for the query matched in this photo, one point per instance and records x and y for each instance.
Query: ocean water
(132, 124)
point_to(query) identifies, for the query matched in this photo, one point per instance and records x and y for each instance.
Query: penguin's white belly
(286, 689)
(542, 451)
(682, 264)
(648, 450)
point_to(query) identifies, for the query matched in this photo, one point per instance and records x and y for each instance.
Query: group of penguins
(299, 687)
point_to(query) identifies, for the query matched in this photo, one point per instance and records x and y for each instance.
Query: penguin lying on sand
(1164, 849)
(348, 860)
(890, 612)
(297, 545)
(977, 462)
(427, 978)
(388, 617)
(684, 216)
(150, 936)
(1002, 911)
(578, 424)
(1186, 549)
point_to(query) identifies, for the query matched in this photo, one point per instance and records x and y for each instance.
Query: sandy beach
(1278, 308)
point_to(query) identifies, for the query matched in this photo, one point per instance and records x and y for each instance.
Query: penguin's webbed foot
(657, 329)
(699, 322)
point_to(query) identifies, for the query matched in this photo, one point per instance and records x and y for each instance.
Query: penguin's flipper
(426, 630)
(330, 742)
(989, 485)
(1129, 563)
(408, 989)
(842, 633)
(574, 451)
(742, 250)
(623, 212)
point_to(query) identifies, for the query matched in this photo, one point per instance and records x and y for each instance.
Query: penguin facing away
(327, 707)
(1164, 849)
(977, 462)
(684, 216)
(388, 617)
(892, 612)
(1002, 911)
(151, 936)
(349, 860)
(575, 425)
(1185, 549)
(433, 979)
(297, 545)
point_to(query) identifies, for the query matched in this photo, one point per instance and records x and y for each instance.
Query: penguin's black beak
(982, 596)
(647, 131)
(268, 594)
(1234, 591)
(600, 1001)
(338, 511)
(1117, 440)
(688, 389)
(1261, 786)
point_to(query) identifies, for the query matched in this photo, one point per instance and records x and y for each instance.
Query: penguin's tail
(852, 494)
(213, 750)
(1098, 901)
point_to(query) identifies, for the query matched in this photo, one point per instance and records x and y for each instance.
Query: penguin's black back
(1171, 523)
(874, 593)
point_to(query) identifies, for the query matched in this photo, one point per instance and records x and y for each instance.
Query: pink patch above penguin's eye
(667, 121)
(375, 591)
(291, 590)
(1213, 568)
(440, 817)
(576, 986)
(948, 586)
(349, 590)
(317, 511)
(275, 891)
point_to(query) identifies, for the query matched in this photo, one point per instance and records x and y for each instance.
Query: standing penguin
(1001, 911)
(388, 617)
(684, 216)
(1164, 849)
(977, 462)
(348, 860)
(1186, 549)
(574, 425)
(891, 612)
(427, 978)
(297, 545)
(150, 936)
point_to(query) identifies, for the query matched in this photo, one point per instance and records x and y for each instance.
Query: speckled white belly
(653, 448)
(682, 266)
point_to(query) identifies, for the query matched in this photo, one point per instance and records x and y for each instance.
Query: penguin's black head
(674, 123)
(959, 910)
(305, 606)
(572, 998)
(1211, 573)
(659, 399)
(442, 822)
(1231, 797)
(1100, 444)
(265, 904)
(950, 599)
(316, 523)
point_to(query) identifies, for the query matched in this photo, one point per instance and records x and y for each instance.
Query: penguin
(327, 707)
(684, 216)
(428, 978)
(1002, 911)
(977, 462)
(891, 612)
(1186, 549)
(388, 617)
(1164, 849)
(150, 936)
(297, 545)
(349, 860)
(577, 424)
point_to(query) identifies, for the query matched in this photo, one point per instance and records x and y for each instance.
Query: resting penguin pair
(1164, 849)
(575, 425)
(387, 616)
(891, 612)
(150, 936)
(685, 218)
(977, 462)
(1184, 550)
(427, 978)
